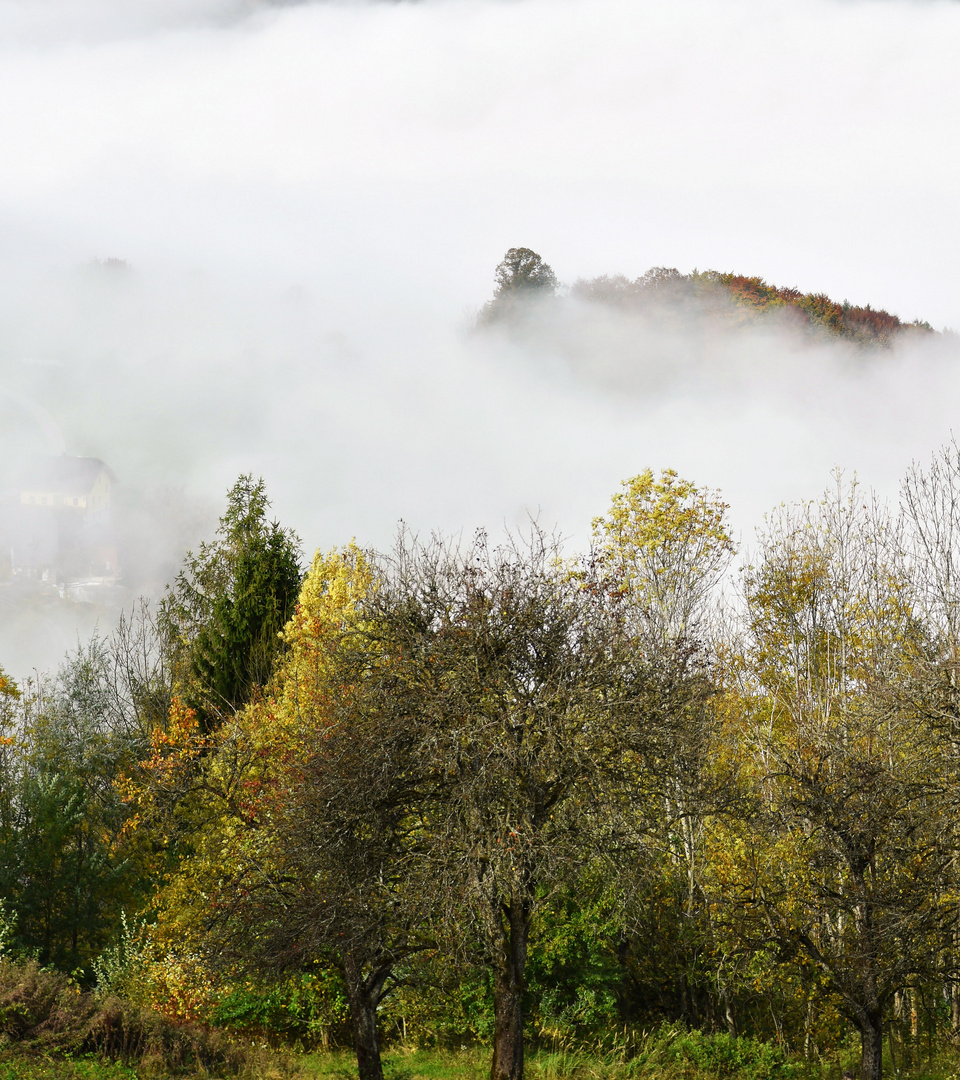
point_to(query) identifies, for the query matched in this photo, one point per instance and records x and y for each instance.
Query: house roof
(62, 474)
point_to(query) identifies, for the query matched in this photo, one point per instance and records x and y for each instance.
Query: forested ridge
(495, 792)
(669, 300)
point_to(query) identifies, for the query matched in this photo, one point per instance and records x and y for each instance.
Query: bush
(716, 1055)
(121, 969)
(41, 1006)
(309, 1011)
(44, 1012)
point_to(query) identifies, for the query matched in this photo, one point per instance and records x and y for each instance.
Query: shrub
(716, 1055)
(44, 1012)
(310, 1011)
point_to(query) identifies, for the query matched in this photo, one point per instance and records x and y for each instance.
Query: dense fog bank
(245, 236)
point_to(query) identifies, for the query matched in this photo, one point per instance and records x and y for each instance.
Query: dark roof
(63, 473)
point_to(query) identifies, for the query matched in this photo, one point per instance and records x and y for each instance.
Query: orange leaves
(175, 749)
(8, 688)
(739, 299)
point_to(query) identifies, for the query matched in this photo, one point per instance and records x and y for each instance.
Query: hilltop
(744, 299)
(667, 299)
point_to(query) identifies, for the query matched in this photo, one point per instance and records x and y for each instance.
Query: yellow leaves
(330, 591)
(181, 989)
(664, 544)
(828, 610)
(9, 695)
(220, 791)
(334, 585)
(651, 513)
(183, 729)
(174, 748)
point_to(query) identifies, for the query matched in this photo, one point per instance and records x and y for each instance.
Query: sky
(311, 198)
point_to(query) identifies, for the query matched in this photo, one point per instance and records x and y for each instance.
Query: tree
(661, 550)
(521, 276)
(223, 614)
(524, 271)
(531, 723)
(664, 544)
(340, 875)
(10, 721)
(66, 866)
(930, 501)
(843, 865)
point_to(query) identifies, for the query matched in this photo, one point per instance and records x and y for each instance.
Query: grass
(665, 1053)
(661, 1057)
(471, 1064)
(29, 1068)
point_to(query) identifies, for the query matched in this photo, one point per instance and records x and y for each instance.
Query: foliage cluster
(734, 299)
(45, 1014)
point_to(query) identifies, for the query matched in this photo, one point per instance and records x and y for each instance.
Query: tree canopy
(477, 791)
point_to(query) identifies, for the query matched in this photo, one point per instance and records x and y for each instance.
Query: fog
(309, 201)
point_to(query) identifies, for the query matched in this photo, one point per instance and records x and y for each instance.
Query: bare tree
(332, 864)
(930, 502)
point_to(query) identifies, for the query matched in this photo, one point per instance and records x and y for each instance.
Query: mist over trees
(631, 800)
(522, 278)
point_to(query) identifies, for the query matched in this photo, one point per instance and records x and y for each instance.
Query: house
(61, 521)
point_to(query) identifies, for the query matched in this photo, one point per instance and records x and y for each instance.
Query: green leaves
(224, 613)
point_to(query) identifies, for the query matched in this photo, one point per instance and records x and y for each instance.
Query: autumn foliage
(735, 299)
(504, 794)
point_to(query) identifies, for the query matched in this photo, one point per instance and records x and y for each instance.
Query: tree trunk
(871, 1035)
(365, 995)
(508, 995)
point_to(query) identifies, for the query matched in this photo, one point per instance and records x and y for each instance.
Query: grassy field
(23, 1068)
(666, 1053)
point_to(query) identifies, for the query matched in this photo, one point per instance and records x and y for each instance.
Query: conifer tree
(223, 615)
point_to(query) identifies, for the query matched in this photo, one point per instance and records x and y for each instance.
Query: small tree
(664, 544)
(66, 865)
(661, 550)
(524, 271)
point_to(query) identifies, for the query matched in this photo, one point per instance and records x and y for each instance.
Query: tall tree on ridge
(521, 276)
